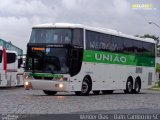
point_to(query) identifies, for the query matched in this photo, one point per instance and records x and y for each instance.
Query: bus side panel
(76, 81)
(3, 80)
(12, 71)
(111, 76)
(150, 77)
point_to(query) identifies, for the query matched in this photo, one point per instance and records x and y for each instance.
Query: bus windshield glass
(50, 60)
(50, 35)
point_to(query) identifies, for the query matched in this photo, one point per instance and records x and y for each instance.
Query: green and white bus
(73, 57)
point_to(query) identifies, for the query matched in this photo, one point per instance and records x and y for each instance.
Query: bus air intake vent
(138, 70)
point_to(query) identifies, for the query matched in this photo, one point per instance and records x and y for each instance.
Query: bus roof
(101, 30)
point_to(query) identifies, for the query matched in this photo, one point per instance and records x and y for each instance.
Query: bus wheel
(86, 88)
(137, 87)
(129, 86)
(96, 92)
(49, 92)
(107, 91)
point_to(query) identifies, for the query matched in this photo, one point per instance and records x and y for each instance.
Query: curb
(157, 89)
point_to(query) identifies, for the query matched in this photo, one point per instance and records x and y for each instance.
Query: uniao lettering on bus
(116, 59)
(123, 59)
(98, 57)
(111, 58)
(106, 57)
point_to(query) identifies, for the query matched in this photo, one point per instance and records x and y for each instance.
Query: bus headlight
(27, 85)
(60, 85)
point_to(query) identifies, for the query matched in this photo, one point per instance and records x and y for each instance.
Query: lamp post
(150, 22)
(158, 74)
(154, 24)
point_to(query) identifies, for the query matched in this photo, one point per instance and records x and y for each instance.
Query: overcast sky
(18, 16)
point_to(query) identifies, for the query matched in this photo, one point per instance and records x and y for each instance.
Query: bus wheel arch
(86, 86)
(89, 79)
(129, 85)
(137, 85)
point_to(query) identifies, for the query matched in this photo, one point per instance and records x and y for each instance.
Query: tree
(158, 67)
(151, 36)
(156, 38)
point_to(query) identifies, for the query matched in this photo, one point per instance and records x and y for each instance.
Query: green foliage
(149, 36)
(158, 67)
(159, 83)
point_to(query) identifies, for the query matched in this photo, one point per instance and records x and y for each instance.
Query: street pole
(156, 26)
(157, 49)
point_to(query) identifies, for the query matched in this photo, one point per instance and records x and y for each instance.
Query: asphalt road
(36, 103)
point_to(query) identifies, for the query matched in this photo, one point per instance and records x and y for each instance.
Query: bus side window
(152, 49)
(117, 44)
(128, 46)
(20, 62)
(11, 58)
(149, 49)
(138, 48)
(78, 37)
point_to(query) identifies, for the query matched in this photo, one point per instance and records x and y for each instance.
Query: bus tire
(96, 92)
(129, 86)
(137, 86)
(86, 87)
(107, 91)
(47, 92)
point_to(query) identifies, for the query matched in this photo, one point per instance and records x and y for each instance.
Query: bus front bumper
(46, 85)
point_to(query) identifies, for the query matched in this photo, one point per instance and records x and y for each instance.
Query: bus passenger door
(11, 68)
(75, 61)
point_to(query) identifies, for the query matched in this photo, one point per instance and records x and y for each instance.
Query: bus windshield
(50, 60)
(50, 35)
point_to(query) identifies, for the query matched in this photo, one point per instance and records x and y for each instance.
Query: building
(10, 46)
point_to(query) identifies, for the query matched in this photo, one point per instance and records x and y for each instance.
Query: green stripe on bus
(46, 75)
(116, 58)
